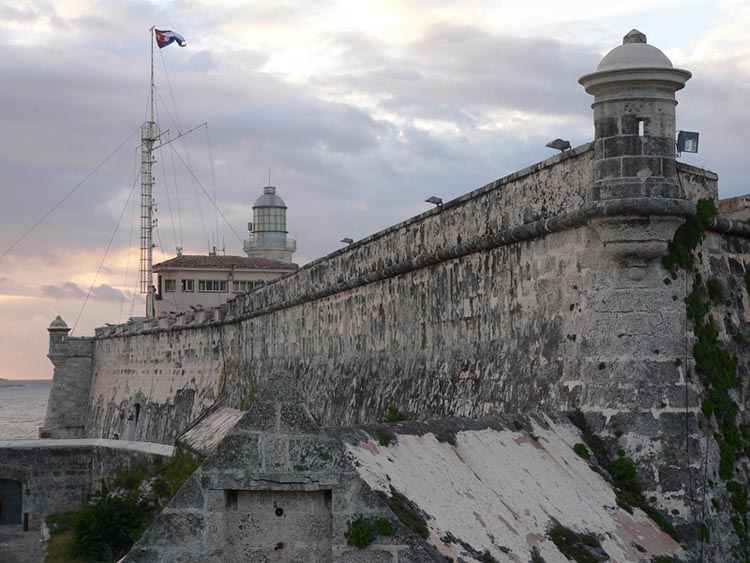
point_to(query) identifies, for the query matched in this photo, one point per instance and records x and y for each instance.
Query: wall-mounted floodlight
(434, 200)
(347, 240)
(687, 141)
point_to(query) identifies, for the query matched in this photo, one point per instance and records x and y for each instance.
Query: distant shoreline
(10, 383)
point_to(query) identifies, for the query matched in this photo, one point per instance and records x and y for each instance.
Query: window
(242, 286)
(212, 285)
(170, 285)
(188, 285)
(270, 219)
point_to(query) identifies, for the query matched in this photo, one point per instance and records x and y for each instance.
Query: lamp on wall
(687, 141)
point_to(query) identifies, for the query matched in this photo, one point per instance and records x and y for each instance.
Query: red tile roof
(223, 263)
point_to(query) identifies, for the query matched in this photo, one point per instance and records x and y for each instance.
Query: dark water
(22, 409)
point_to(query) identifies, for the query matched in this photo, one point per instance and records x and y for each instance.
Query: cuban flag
(164, 38)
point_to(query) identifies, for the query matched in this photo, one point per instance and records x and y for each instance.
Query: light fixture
(434, 200)
(687, 141)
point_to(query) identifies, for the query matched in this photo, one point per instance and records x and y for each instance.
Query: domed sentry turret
(634, 119)
(268, 233)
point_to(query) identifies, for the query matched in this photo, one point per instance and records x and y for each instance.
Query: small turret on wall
(634, 120)
(634, 89)
(68, 400)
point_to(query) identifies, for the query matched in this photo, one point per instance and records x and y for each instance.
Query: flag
(164, 38)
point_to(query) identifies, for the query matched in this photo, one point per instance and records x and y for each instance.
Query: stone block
(369, 555)
(608, 168)
(275, 452)
(606, 127)
(313, 454)
(189, 496)
(641, 167)
(236, 451)
(659, 146)
(624, 145)
(296, 417)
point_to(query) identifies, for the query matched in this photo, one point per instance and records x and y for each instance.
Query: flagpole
(151, 94)
(148, 136)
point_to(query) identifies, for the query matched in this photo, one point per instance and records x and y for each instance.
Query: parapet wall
(494, 302)
(56, 474)
(396, 318)
(517, 297)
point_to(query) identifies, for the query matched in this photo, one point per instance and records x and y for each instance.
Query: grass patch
(362, 531)
(394, 415)
(582, 548)
(582, 451)
(110, 520)
(623, 475)
(384, 437)
(407, 512)
(688, 236)
(446, 437)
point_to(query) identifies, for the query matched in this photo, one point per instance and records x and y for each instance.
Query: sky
(359, 109)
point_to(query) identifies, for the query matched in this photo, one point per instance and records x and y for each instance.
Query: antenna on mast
(148, 136)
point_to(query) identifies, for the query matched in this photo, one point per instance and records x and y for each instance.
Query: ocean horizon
(22, 408)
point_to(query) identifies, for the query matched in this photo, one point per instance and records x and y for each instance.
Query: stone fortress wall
(542, 291)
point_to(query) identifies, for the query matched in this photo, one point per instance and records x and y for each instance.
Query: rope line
(207, 195)
(136, 171)
(213, 182)
(66, 196)
(106, 252)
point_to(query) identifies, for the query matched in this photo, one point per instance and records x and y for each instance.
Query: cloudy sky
(361, 109)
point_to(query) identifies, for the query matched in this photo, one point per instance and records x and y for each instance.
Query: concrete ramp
(206, 435)
(497, 485)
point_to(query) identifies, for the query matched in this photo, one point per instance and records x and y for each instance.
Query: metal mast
(149, 134)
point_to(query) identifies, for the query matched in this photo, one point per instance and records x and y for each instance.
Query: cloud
(70, 290)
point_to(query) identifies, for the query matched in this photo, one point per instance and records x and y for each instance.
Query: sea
(22, 408)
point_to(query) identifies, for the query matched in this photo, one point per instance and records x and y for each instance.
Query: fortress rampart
(542, 291)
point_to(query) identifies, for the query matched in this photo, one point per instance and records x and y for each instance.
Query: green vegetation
(488, 558)
(713, 287)
(716, 367)
(582, 451)
(406, 512)
(582, 548)
(536, 557)
(623, 475)
(110, 520)
(362, 531)
(384, 437)
(247, 394)
(60, 544)
(394, 415)
(602, 365)
(446, 437)
(718, 372)
(108, 524)
(688, 237)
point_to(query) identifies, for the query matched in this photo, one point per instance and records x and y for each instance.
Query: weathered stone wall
(504, 300)
(57, 474)
(68, 399)
(517, 297)
(411, 312)
(275, 489)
